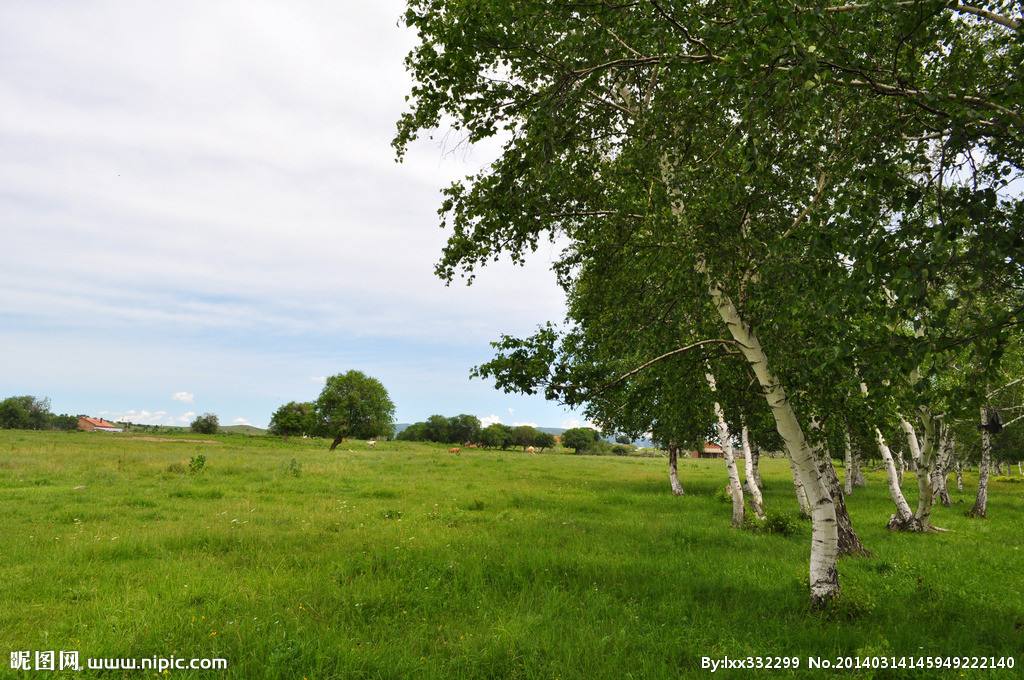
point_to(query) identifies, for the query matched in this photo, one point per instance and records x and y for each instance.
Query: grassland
(406, 562)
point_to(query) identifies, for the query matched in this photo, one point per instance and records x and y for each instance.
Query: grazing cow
(455, 450)
(372, 443)
(471, 445)
(530, 449)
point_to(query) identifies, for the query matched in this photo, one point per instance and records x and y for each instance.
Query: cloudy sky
(201, 211)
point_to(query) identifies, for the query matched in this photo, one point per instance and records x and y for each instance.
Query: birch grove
(743, 195)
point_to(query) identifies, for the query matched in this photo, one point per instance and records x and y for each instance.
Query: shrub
(294, 468)
(196, 464)
(208, 423)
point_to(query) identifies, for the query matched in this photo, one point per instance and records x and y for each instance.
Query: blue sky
(201, 212)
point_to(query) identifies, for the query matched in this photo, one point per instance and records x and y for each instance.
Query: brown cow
(455, 450)
(530, 449)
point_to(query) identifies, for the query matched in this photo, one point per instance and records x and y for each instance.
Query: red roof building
(97, 425)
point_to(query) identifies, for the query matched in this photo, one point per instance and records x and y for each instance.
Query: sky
(201, 212)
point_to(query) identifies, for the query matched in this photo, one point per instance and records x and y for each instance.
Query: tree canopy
(353, 404)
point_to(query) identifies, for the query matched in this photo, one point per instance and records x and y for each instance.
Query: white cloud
(321, 379)
(576, 422)
(186, 397)
(518, 424)
(489, 420)
(186, 417)
(139, 417)
(241, 421)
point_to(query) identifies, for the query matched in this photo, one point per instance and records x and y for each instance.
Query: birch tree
(753, 153)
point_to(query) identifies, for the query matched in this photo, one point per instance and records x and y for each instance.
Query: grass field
(407, 562)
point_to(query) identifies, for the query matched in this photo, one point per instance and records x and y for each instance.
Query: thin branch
(1000, 389)
(666, 355)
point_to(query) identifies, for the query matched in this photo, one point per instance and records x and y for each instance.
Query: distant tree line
(467, 429)
(33, 413)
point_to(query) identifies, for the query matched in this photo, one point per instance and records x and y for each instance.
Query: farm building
(710, 450)
(97, 425)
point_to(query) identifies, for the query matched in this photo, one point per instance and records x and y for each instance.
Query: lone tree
(579, 438)
(294, 419)
(208, 423)
(354, 405)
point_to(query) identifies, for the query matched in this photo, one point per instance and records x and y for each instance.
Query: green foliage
(294, 468)
(460, 429)
(196, 464)
(208, 423)
(544, 440)
(294, 419)
(579, 439)
(496, 436)
(524, 435)
(353, 404)
(25, 413)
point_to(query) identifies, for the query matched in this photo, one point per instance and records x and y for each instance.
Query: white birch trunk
(801, 495)
(756, 452)
(904, 517)
(858, 474)
(921, 454)
(823, 577)
(725, 440)
(847, 464)
(980, 508)
(748, 467)
(959, 476)
(673, 470)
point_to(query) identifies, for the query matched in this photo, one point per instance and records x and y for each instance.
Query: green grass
(405, 562)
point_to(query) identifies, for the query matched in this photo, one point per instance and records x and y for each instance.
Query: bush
(294, 467)
(622, 449)
(783, 525)
(196, 464)
(208, 423)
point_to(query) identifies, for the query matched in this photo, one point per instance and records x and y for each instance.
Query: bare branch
(666, 355)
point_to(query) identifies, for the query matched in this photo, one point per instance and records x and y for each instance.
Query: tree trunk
(847, 463)
(921, 455)
(673, 470)
(941, 469)
(801, 495)
(858, 473)
(748, 464)
(337, 440)
(755, 451)
(725, 440)
(959, 476)
(823, 576)
(980, 508)
(849, 542)
(904, 519)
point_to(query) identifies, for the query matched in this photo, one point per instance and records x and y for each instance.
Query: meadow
(404, 561)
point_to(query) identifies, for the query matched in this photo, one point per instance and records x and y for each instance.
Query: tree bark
(725, 440)
(755, 451)
(849, 542)
(801, 495)
(673, 470)
(337, 440)
(980, 508)
(847, 464)
(823, 576)
(756, 499)
(858, 473)
(959, 476)
(904, 519)
(940, 472)
(921, 451)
